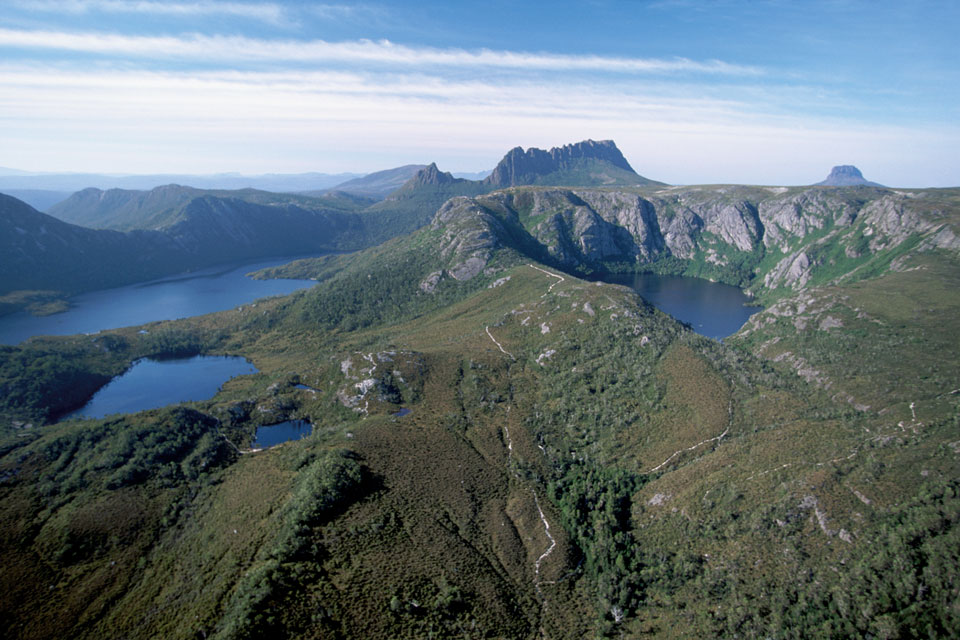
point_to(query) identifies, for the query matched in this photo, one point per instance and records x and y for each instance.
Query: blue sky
(693, 91)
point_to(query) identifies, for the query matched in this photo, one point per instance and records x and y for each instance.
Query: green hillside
(173, 229)
(575, 463)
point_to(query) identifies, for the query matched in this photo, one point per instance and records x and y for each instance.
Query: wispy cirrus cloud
(366, 120)
(268, 11)
(236, 49)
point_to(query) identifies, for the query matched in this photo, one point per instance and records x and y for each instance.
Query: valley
(195, 293)
(574, 463)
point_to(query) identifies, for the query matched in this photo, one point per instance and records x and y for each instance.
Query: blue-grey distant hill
(70, 182)
(846, 175)
(99, 238)
(163, 207)
(39, 199)
(375, 185)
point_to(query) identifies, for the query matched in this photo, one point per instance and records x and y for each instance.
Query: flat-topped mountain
(587, 163)
(846, 175)
(502, 447)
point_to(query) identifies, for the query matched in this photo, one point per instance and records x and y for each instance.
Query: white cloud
(351, 120)
(236, 49)
(270, 12)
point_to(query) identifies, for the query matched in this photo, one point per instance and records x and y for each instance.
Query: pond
(151, 384)
(271, 435)
(713, 309)
(193, 294)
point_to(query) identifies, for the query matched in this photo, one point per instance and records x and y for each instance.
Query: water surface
(151, 384)
(273, 434)
(713, 309)
(181, 296)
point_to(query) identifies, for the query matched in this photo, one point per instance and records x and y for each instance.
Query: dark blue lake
(714, 310)
(150, 384)
(193, 294)
(274, 434)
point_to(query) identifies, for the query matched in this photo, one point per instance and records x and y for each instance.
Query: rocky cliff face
(521, 167)
(430, 176)
(780, 238)
(471, 233)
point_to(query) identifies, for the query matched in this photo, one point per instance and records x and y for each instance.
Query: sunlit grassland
(691, 487)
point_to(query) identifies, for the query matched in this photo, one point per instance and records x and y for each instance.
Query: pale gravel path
(561, 278)
(553, 544)
(499, 346)
(543, 519)
(679, 451)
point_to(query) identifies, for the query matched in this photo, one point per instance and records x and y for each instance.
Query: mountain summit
(430, 176)
(587, 163)
(846, 175)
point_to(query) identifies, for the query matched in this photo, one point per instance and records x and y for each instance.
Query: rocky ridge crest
(795, 232)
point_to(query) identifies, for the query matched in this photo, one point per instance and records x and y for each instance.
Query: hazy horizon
(693, 92)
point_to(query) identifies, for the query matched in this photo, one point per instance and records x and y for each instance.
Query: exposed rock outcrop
(803, 228)
(470, 234)
(521, 167)
(430, 176)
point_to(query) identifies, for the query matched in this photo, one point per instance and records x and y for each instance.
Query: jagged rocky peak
(430, 175)
(846, 175)
(518, 165)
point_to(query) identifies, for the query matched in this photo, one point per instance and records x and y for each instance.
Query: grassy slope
(690, 487)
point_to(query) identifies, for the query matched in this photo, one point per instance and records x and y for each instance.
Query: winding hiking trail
(679, 451)
(537, 582)
(702, 442)
(549, 289)
(543, 519)
(561, 278)
(543, 556)
(499, 346)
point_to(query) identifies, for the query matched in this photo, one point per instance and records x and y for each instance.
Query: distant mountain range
(163, 207)
(375, 185)
(39, 199)
(42, 191)
(499, 446)
(172, 228)
(280, 182)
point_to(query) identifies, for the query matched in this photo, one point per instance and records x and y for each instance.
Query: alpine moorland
(570, 462)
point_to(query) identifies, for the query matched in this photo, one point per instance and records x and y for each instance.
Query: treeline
(325, 483)
(377, 289)
(41, 380)
(168, 447)
(898, 581)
